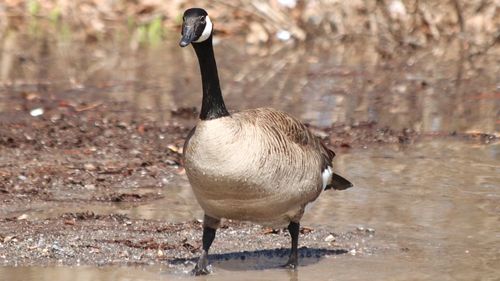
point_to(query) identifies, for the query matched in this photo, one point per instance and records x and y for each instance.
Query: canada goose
(260, 165)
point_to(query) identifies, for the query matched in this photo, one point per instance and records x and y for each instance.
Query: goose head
(196, 26)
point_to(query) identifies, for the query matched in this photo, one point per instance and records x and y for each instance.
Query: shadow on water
(264, 259)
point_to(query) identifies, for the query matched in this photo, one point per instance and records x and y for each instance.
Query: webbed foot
(291, 263)
(201, 267)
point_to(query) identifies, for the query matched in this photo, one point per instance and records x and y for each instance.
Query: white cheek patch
(206, 32)
(326, 176)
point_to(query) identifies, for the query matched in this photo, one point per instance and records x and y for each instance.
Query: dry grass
(393, 23)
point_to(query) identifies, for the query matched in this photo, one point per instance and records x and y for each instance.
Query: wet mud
(91, 239)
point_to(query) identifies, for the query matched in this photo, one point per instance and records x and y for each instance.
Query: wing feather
(282, 125)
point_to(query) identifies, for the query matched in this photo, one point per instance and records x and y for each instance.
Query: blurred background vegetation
(393, 24)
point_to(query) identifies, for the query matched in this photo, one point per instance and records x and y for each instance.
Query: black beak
(187, 35)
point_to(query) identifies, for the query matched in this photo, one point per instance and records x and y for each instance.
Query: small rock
(160, 253)
(124, 254)
(55, 247)
(305, 230)
(55, 117)
(89, 167)
(329, 238)
(283, 35)
(22, 217)
(36, 112)
(134, 152)
(352, 252)
(9, 238)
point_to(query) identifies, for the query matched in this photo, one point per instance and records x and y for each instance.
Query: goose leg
(294, 229)
(209, 228)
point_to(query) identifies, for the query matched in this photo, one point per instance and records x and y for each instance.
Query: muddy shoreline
(90, 239)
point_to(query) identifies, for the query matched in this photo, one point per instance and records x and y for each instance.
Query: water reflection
(427, 90)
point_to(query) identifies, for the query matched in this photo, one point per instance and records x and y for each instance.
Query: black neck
(212, 106)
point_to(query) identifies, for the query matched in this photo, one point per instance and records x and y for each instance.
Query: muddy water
(434, 207)
(431, 90)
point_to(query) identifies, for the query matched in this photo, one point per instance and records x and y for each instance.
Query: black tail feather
(338, 183)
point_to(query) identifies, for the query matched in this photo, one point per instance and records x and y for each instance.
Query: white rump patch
(206, 32)
(326, 176)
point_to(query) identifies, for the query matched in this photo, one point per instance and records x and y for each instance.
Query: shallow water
(429, 90)
(434, 207)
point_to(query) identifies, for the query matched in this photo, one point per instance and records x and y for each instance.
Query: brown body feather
(259, 165)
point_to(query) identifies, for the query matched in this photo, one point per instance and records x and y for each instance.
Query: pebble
(160, 253)
(89, 167)
(22, 217)
(57, 248)
(9, 238)
(135, 152)
(283, 35)
(36, 112)
(329, 238)
(124, 254)
(367, 230)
